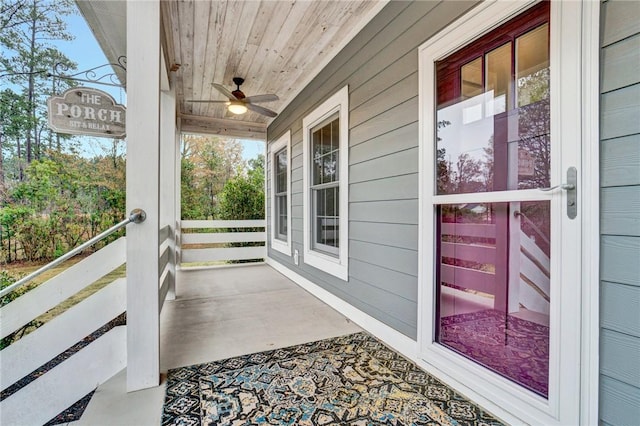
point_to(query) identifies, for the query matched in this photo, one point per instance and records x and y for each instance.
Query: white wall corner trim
(590, 362)
(336, 266)
(283, 142)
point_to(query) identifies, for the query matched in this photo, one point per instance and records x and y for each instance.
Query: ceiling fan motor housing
(238, 93)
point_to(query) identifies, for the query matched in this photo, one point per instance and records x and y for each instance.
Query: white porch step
(112, 405)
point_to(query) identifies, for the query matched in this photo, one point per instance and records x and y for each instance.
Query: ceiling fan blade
(224, 91)
(206, 101)
(262, 98)
(261, 110)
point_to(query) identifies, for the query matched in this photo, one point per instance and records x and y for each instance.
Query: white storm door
(500, 232)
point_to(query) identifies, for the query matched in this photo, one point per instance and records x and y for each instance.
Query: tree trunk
(19, 157)
(1, 169)
(32, 107)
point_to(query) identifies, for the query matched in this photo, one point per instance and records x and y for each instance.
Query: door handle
(572, 194)
(565, 186)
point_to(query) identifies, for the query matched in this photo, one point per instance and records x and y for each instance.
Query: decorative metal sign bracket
(93, 75)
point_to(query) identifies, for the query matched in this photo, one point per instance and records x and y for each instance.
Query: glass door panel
(494, 289)
(493, 259)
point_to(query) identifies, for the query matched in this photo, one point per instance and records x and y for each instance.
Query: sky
(85, 51)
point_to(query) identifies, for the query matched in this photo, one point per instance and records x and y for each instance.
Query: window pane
(532, 66)
(281, 171)
(325, 134)
(316, 166)
(471, 74)
(336, 214)
(484, 144)
(330, 167)
(493, 287)
(532, 84)
(325, 149)
(281, 217)
(326, 221)
(498, 76)
(335, 134)
(464, 143)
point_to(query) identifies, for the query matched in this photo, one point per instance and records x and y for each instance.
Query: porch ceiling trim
(224, 127)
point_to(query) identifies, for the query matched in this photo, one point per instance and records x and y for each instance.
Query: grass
(25, 268)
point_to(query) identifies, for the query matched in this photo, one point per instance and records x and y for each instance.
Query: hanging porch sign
(526, 166)
(87, 111)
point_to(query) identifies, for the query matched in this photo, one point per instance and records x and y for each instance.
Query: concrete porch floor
(219, 313)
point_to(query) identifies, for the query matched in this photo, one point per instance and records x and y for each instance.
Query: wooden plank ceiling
(276, 46)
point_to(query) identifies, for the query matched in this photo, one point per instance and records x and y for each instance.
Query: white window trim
(338, 267)
(284, 141)
(509, 396)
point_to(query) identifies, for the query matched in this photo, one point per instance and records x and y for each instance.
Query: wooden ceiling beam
(224, 127)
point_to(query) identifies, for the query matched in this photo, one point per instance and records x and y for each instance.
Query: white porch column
(143, 184)
(178, 201)
(168, 158)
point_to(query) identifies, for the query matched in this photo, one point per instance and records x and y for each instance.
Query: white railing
(534, 285)
(167, 262)
(136, 216)
(59, 387)
(206, 241)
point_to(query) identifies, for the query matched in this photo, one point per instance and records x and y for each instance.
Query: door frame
(578, 70)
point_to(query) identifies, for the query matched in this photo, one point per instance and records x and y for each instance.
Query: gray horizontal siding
(392, 188)
(400, 212)
(620, 357)
(619, 159)
(398, 93)
(388, 234)
(619, 20)
(404, 285)
(619, 402)
(380, 66)
(620, 213)
(399, 163)
(400, 139)
(393, 258)
(619, 259)
(620, 64)
(620, 308)
(620, 112)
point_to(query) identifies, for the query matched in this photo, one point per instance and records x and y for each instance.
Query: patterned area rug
(513, 347)
(348, 380)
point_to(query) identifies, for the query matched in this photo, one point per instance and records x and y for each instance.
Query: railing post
(143, 158)
(168, 155)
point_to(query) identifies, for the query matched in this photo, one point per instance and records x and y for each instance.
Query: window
(325, 210)
(325, 183)
(280, 154)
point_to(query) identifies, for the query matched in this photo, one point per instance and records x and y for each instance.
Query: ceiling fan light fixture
(237, 108)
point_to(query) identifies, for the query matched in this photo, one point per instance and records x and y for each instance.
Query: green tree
(208, 162)
(64, 200)
(27, 57)
(14, 124)
(193, 201)
(242, 197)
(9, 16)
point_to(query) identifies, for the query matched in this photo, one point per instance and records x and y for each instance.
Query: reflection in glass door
(493, 258)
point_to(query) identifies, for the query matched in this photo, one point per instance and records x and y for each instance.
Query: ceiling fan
(238, 103)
